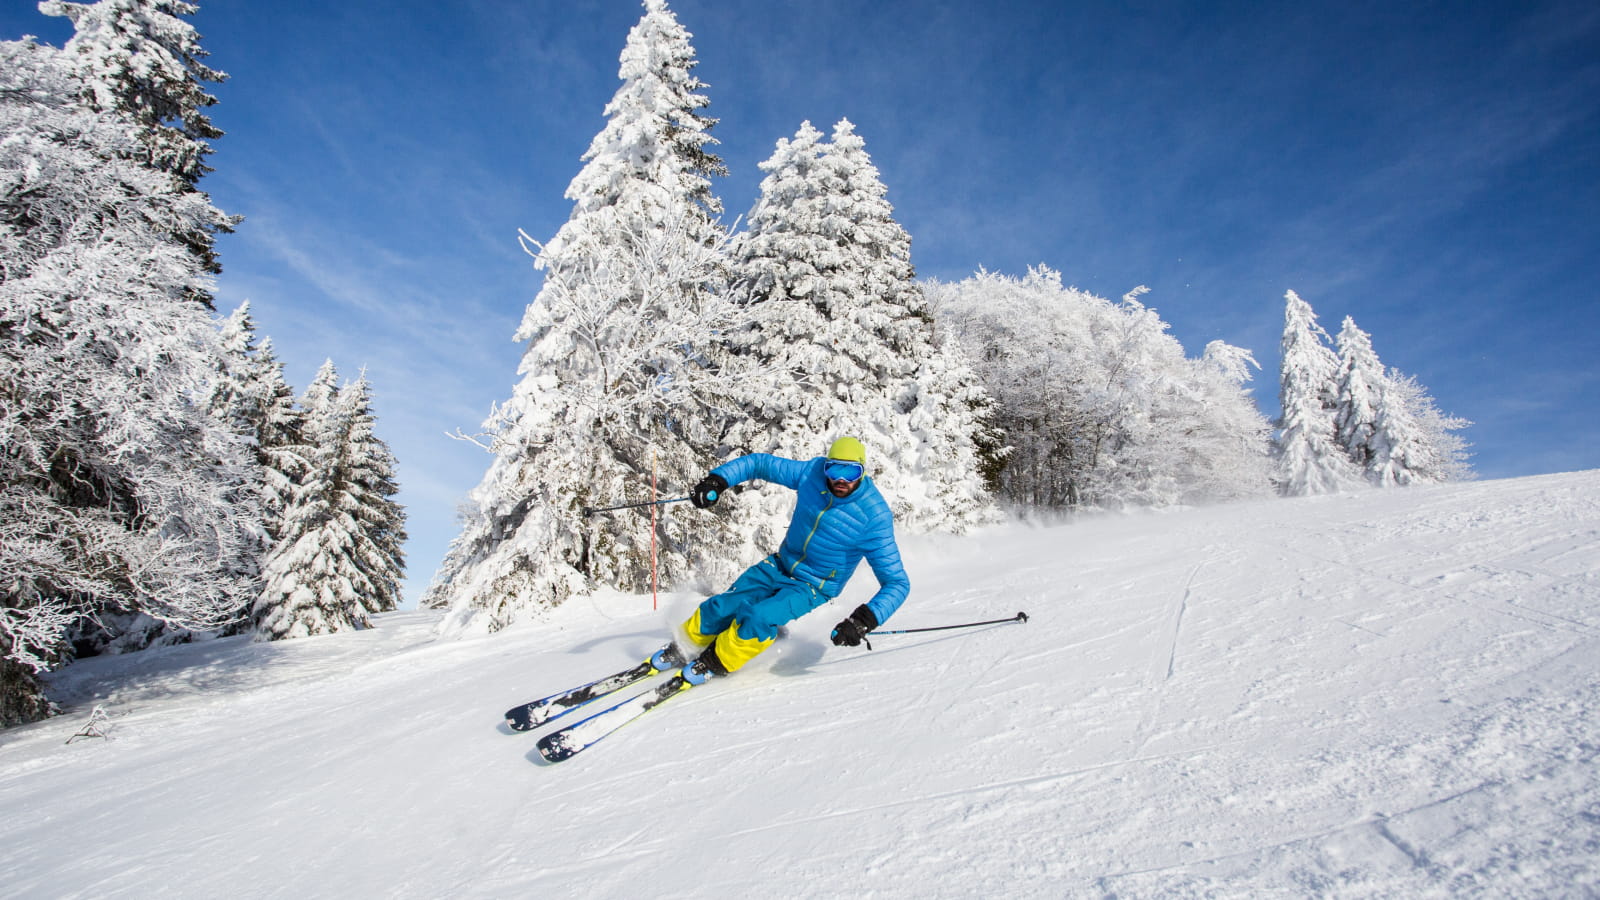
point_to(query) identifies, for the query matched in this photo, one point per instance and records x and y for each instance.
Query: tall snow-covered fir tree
(622, 373)
(367, 476)
(1348, 420)
(279, 431)
(338, 558)
(1413, 441)
(310, 583)
(255, 401)
(140, 61)
(1388, 425)
(777, 260)
(1310, 458)
(1361, 384)
(119, 492)
(827, 272)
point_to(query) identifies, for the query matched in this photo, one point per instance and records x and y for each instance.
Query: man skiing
(839, 518)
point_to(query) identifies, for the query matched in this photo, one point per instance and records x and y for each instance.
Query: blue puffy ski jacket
(828, 536)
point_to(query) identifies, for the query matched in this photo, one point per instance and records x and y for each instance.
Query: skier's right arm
(765, 466)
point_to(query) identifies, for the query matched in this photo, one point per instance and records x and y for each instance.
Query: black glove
(708, 490)
(853, 631)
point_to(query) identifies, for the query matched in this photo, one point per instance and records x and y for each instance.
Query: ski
(579, 736)
(531, 715)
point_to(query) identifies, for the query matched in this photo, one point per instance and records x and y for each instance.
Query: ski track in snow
(1376, 695)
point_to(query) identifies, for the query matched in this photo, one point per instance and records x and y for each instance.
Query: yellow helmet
(848, 449)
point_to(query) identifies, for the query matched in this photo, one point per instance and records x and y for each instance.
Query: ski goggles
(839, 470)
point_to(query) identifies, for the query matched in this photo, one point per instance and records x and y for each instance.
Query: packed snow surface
(1381, 694)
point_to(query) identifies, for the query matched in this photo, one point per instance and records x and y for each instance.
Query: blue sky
(1432, 169)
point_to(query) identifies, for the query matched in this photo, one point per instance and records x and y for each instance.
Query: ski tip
(519, 719)
(554, 751)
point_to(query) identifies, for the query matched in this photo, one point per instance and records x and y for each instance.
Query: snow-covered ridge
(1379, 694)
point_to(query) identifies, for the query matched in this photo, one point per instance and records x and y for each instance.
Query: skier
(839, 518)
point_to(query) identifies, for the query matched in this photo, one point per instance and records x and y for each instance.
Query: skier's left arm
(883, 555)
(893, 584)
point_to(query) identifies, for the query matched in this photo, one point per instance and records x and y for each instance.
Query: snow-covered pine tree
(1310, 458)
(255, 400)
(338, 557)
(140, 61)
(777, 255)
(622, 367)
(1413, 441)
(827, 271)
(119, 493)
(775, 271)
(368, 480)
(279, 430)
(308, 587)
(1388, 424)
(230, 401)
(1361, 384)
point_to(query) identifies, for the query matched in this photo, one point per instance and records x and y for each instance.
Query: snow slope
(1388, 694)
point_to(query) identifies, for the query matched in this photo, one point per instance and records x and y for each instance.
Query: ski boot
(668, 658)
(706, 667)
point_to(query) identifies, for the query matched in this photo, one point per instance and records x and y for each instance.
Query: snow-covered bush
(1098, 404)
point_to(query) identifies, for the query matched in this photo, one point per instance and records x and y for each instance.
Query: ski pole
(1018, 618)
(591, 510)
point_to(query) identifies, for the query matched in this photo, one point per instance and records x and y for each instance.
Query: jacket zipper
(805, 548)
